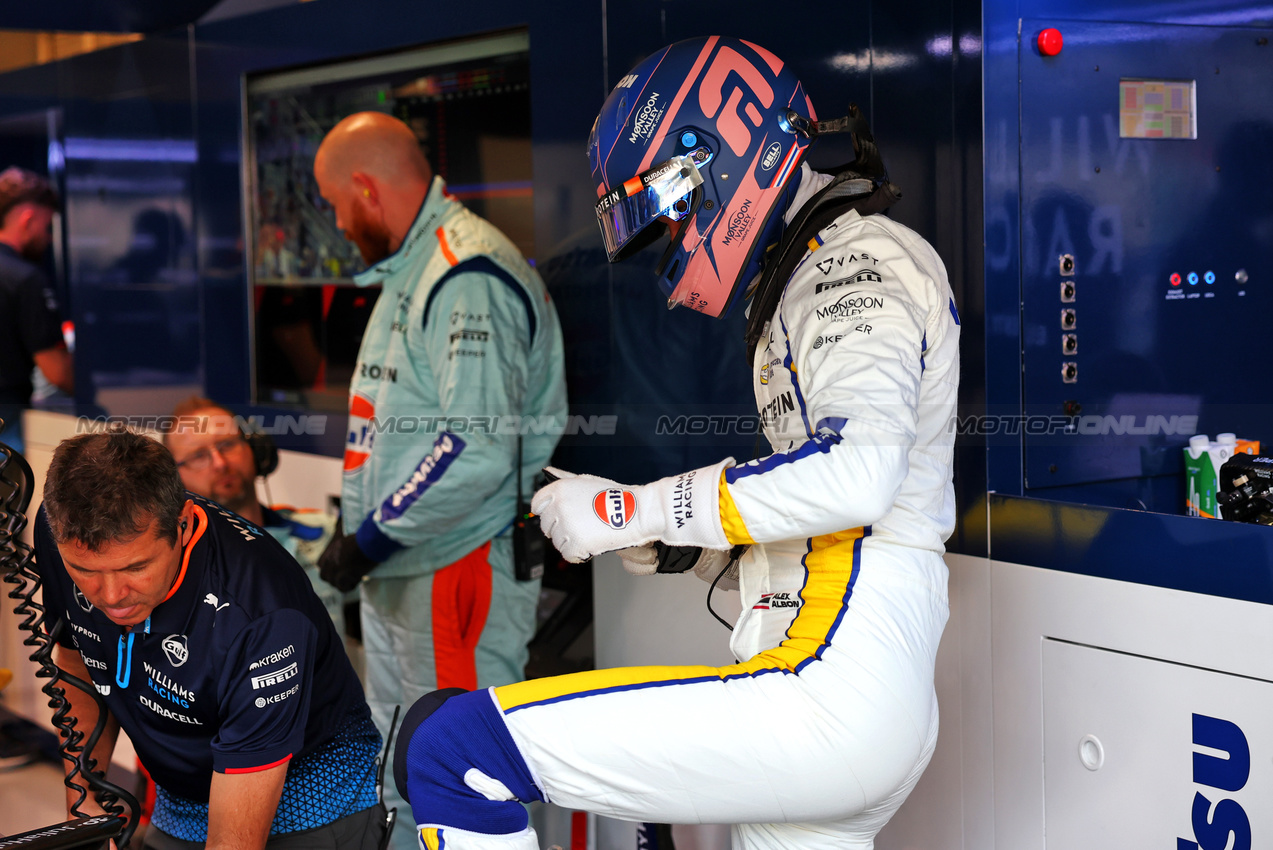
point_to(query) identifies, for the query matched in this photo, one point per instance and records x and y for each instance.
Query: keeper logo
(615, 507)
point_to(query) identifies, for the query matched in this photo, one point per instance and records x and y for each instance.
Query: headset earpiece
(264, 451)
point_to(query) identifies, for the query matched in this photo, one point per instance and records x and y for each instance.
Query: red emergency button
(1050, 42)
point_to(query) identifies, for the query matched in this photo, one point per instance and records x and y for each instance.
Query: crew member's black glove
(343, 563)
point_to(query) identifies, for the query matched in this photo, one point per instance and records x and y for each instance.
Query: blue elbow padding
(443, 742)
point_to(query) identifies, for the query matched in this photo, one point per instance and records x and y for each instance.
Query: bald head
(371, 170)
(375, 144)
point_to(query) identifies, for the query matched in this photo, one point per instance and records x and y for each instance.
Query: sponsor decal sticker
(275, 677)
(361, 432)
(615, 507)
(164, 711)
(175, 648)
(470, 335)
(739, 223)
(647, 119)
(262, 702)
(446, 449)
(772, 154)
(76, 627)
(273, 657)
(863, 276)
(767, 371)
(770, 601)
(851, 305)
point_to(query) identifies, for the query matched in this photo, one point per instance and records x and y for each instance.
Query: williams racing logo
(615, 507)
(770, 601)
(864, 276)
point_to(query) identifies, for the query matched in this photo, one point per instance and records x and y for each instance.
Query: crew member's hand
(343, 563)
(585, 515)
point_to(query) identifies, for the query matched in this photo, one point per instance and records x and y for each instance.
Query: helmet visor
(628, 209)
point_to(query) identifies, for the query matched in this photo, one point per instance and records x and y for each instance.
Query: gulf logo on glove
(614, 507)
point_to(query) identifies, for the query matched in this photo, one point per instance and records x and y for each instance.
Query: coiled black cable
(18, 568)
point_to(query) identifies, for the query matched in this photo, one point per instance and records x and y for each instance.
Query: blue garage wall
(1026, 135)
(917, 73)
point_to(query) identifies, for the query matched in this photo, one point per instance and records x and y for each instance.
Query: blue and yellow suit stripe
(831, 569)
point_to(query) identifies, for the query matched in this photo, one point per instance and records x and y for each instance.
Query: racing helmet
(703, 133)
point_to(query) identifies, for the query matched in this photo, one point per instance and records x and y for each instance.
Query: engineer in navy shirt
(211, 650)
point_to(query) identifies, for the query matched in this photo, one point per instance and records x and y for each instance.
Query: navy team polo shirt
(238, 670)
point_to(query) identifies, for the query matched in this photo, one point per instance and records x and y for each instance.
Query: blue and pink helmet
(700, 133)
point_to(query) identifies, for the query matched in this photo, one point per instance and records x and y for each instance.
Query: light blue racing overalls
(462, 354)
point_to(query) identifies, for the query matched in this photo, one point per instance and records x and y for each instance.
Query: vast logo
(175, 648)
(1214, 823)
(614, 507)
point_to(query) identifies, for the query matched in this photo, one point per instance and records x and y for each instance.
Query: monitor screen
(468, 103)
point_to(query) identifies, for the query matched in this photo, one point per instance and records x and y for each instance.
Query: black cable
(715, 581)
(17, 485)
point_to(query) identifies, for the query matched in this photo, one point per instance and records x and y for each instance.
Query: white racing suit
(820, 732)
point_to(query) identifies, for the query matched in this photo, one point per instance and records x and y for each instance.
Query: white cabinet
(1130, 742)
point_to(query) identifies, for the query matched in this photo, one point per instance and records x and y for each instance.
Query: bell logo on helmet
(772, 154)
(615, 507)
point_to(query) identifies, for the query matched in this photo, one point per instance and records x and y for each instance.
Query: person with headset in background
(458, 400)
(835, 540)
(30, 327)
(210, 650)
(220, 459)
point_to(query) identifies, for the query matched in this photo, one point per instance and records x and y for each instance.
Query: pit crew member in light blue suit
(462, 354)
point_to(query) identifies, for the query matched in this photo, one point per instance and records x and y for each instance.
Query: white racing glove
(639, 560)
(585, 515)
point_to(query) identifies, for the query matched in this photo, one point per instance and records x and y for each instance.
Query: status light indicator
(1175, 278)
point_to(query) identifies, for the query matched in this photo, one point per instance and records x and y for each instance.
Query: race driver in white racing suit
(816, 736)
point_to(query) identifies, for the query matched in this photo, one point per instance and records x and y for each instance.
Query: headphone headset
(264, 450)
